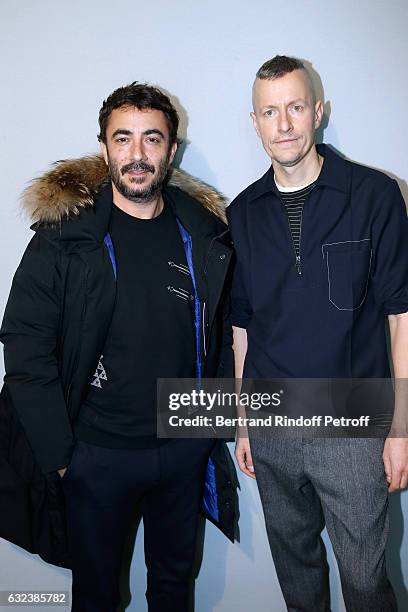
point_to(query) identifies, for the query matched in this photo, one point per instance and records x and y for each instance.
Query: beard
(139, 195)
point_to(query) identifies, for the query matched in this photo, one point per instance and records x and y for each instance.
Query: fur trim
(72, 184)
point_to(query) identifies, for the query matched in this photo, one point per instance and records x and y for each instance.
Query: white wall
(60, 59)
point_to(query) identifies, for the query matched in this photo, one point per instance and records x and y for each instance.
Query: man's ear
(255, 123)
(173, 150)
(318, 114)
(104, 151)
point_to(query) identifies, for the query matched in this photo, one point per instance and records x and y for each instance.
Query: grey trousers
(307, 483)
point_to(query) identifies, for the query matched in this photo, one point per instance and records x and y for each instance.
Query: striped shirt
(293, 202)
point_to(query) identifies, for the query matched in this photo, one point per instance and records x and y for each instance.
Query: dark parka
(54, 329)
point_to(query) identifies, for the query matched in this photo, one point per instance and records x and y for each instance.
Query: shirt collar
(334, 175)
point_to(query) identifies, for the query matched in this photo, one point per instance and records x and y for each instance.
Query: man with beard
(322, 263)
(122, 284)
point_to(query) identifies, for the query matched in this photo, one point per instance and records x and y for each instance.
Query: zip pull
(298, 265)
(180, 267)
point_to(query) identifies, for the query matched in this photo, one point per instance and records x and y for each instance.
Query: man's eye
(122, 139)
(269, 112)
(153, 139)
(298, 108)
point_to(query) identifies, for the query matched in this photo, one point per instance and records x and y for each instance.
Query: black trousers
(103, 487)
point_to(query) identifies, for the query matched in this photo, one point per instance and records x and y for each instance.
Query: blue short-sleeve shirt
(328, 321)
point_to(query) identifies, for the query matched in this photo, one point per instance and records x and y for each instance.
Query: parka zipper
(207, 256)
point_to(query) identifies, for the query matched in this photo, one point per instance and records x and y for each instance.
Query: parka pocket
(348, 265)
(70, 465)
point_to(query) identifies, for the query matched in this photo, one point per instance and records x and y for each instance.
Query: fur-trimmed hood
(72, 184)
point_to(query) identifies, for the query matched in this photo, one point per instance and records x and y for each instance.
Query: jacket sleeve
(241, 309)
(29, 333)
(226, 368)
(390, 252)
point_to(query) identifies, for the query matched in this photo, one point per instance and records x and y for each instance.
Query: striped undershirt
(293, 200)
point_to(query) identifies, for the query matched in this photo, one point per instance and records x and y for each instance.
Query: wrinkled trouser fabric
(307, 483)
(102, 488)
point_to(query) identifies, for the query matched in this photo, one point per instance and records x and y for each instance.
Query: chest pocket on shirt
(348, 266)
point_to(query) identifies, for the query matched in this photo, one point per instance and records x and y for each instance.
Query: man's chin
(145, 195)
(288, 162)
(138, 189)
(139, 180)
(141, 196)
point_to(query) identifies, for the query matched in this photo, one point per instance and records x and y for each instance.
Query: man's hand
(244, 457)
(395, 457)
(242, 448)
(62, 471)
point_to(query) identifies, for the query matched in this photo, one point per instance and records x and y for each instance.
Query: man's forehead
(292, 86)
(131, 115)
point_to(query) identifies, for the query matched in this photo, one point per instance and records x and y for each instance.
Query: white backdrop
(59, 59)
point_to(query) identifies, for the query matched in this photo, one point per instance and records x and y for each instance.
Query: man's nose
(137, 151)
(284, 122)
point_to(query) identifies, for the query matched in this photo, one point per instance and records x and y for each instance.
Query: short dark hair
(141, 96)
(280, 65)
